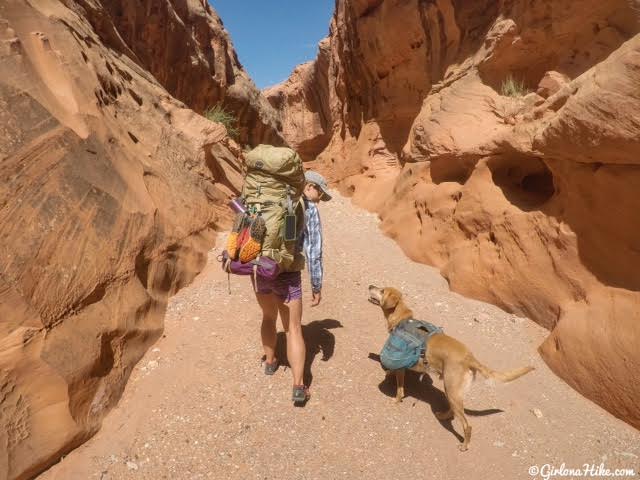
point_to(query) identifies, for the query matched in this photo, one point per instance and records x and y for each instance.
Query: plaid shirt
(313, 244)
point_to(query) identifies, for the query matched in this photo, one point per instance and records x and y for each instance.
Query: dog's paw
(463, 447)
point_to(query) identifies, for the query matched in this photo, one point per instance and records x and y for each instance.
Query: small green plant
(512, 87)
(219, 114)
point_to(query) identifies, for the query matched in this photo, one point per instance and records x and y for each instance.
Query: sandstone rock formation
(111, 192)
(185, 47)
(527, 201)
(303, 103)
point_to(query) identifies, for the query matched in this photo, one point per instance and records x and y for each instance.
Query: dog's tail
(507, 376)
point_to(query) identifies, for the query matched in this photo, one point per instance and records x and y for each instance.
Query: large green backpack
(273, 189)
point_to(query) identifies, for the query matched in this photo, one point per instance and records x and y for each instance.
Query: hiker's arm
(314, 250)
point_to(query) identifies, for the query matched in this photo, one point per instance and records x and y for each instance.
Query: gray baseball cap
(314, 177)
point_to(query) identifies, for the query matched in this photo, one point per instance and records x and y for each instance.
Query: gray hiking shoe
(300, 394)
(270, 368)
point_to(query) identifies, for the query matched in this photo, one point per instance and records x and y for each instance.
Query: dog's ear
(390, 298)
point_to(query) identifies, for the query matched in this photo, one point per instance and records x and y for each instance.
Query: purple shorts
(287, 286)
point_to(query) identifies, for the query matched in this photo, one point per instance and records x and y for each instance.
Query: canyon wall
(111, 194)
(499, 142)
(184, 45)
(303, 106)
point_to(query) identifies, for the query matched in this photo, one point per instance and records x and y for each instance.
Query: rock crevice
(111, 194)
(499, 141)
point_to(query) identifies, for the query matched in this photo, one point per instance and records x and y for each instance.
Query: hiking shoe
(300, 394)
(270, 368)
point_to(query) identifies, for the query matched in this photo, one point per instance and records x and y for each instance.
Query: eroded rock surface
(184, 45)
(111, 192)
(525, 200)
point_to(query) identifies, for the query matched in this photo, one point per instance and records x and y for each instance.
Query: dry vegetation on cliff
(111, 193)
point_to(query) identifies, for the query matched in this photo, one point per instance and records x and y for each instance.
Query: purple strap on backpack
(267, 268)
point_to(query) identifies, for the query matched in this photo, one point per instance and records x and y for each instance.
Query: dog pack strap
(429, 327)
(415, 325)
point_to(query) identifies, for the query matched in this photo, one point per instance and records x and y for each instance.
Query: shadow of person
(317, 339)
(421, 388)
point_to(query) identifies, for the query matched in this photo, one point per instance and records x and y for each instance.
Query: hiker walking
(284, 294)
(281, 222)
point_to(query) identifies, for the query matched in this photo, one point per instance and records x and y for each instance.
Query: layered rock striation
(500, 142)
(111, 194)
(184, 45)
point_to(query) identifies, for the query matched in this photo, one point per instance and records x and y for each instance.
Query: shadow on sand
(317, 338)
(424, 391)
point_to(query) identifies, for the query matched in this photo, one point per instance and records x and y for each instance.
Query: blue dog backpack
(406, 344)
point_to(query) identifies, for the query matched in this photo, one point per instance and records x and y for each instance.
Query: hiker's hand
(315, 300)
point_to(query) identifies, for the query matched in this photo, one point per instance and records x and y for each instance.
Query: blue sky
(273, 36)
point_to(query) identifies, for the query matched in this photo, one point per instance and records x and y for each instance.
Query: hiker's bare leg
(291, 314)
(269, 304)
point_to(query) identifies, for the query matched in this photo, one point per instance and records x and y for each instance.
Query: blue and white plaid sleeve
(313, 246)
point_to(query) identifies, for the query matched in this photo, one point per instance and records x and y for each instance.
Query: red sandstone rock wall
(111, 192)
(184, 45)
(529, 201)
(304, 106)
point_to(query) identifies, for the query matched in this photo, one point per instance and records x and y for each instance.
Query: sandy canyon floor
(199, 406)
